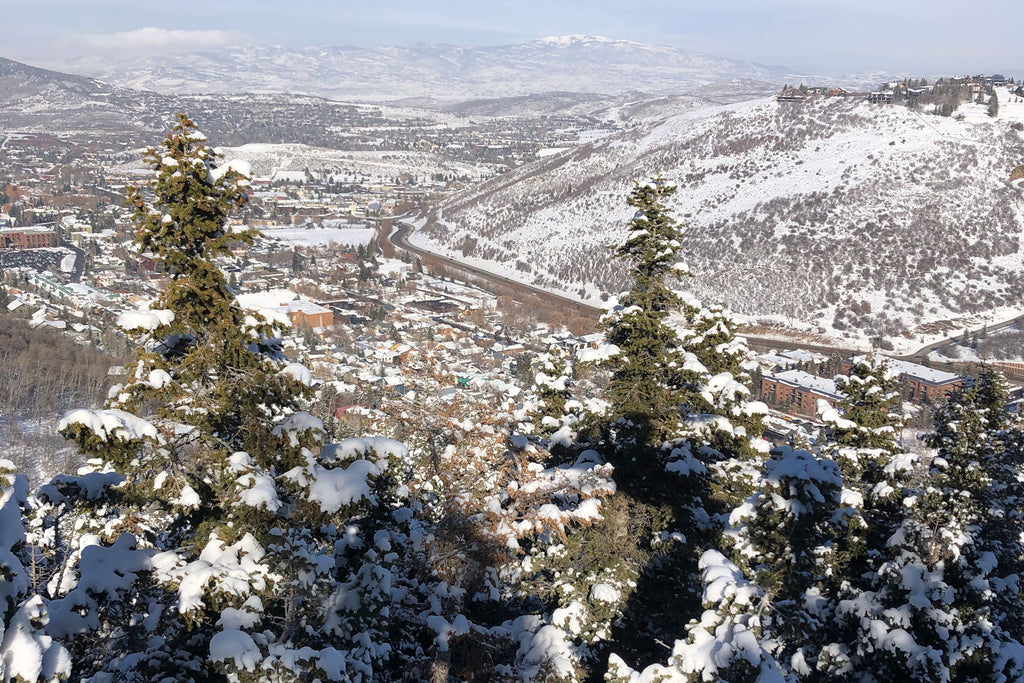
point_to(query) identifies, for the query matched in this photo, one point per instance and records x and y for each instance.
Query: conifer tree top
(194, 195)
(652, 244)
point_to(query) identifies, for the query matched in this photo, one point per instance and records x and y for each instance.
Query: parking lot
(36, 259)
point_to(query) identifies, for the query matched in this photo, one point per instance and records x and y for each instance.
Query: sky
(828, 37)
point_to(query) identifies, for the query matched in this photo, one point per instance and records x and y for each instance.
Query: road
(400, 239)
(76, 276)
(925, 350)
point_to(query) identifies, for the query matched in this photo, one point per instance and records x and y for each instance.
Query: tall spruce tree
(193, 448)
(646, 384)
(864, 440)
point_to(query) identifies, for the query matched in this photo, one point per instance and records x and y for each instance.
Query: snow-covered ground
(290, 162)
(321, 237)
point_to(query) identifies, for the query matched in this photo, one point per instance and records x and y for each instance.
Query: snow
(300, 373)
(233, 570)
(91, 485)
(902, 367)
(335, 488)
(723, 581)
(237, 646)
(158, 378)
(257, 489)
(187, 498)
(839, 148)
(365, 447)
(297, 423)
(27, 653)
(602, 592)
(106, 424)
(321, 237)
(804, 380)
(543, 645)
(239, 166)
(145, 319)
(103, 571)
(830, 415)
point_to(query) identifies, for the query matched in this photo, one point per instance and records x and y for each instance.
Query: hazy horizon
(815, 38)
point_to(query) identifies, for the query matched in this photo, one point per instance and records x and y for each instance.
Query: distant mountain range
(579, 64)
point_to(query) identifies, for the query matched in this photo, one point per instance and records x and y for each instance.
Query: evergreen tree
(941, 600)
(645, 388)
(552, 386)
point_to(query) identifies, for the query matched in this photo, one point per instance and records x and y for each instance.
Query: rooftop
(804, 380)
(915, 371)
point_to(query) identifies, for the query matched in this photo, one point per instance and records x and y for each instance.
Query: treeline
(42, 374)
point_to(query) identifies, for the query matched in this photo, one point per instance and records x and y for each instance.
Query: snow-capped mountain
(564, 63)
(851, 218)
(33, 98)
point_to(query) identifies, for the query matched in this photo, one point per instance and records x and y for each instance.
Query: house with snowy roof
(791, 95)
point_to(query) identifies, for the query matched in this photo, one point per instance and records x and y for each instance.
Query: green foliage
(871, 401)
(645, 388)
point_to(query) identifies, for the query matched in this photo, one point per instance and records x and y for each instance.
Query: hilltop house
(791, 95)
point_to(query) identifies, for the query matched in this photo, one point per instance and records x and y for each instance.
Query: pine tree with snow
(940, 598)
(785, 538)
(697, 451)
(189, 458)
(552, 381)
(214, 536)
(863, 437)
(646, 385)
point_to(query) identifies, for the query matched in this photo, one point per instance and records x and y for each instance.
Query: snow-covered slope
(29, 98)
(565, 63)
(294, 162)
(836, 214)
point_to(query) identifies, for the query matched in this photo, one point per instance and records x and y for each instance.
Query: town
(376, 323)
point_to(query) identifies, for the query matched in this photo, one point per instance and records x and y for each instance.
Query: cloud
(154, 39)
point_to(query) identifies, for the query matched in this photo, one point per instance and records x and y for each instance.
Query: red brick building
(306, 314)
(919, 383)
(798, 392)
(28, 238)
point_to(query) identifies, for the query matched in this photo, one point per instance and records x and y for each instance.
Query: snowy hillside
(29, 97)
(837, 215)
(565, 63)
(298, 163)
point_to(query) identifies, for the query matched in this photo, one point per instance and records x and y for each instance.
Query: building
(919, 384)
(791, 95)
(28, 238)
(796, 391)
(308, 314)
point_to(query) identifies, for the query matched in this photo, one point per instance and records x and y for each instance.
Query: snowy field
(291, 161)
(321, 237)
